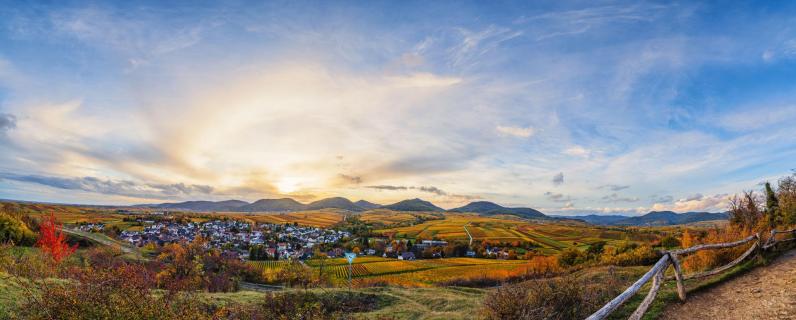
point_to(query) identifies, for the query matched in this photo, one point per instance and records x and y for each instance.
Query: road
(767, 292)
(468, 234)
(103, 241)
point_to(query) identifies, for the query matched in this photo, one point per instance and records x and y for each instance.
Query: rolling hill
(228, 205)
(367, 205)
(664, 218)
(274, 205)
(487, 208)
(336, 202)
(413, 205)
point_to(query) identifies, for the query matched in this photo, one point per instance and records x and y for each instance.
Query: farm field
(315, 218)
(416, 273)
(389, 217)
(551, 237)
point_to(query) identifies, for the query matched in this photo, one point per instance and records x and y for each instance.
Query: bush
(637, 256)
(670, 242)
(307, 305)
(571, 256)
(554, 299)
(14, 230)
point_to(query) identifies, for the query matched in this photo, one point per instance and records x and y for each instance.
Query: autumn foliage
(52, 240)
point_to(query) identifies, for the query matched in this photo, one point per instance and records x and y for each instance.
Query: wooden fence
(673, 258)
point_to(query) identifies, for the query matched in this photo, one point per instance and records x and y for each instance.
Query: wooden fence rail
(673, 258)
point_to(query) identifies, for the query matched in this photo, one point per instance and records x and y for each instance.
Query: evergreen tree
(772, 207)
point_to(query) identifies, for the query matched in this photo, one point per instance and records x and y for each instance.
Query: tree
(745, 210)
(52, 240)
(786, 194)
(772, 207)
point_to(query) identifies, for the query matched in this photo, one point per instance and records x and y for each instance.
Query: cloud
(386, 187)
(7, 122)
(662, 199)
(429, 189)
(613, 187)
(520, 132)
(557, 197)
(475, 44)
(577, 151)
(697, 202)
(558, 179)
(616, 198)
(350, 179)
(114, 187)
(423, 80)
(433, 190)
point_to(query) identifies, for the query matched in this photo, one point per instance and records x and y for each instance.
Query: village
(276, 241)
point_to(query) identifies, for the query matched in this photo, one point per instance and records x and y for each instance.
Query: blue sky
(569, 107)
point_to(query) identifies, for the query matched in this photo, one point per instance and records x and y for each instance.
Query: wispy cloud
(557, 197)
(520, 132)
(558, 179)
(114, 187)
(7, 122)
(613, 187)
(617, 198)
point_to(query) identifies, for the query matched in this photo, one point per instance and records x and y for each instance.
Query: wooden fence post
(678, 275)
(656, 285)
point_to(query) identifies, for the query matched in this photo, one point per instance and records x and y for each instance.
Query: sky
(568, 107)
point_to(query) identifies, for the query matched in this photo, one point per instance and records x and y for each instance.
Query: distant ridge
(484, 208)
(274, 205)
(228, 205)
(367, 205)
(487, 208)
(336, 202)
(653, 218)
(413, 205)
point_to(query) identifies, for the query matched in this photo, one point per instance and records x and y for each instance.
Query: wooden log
(678, 275)
(735, 262)
(772, 240)
(630, 291)
(642, 308)
(784, 231)
(714, 246)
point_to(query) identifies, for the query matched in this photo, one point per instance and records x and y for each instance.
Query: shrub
(571, 256)
(637, 256)
(307, 305)
(555, 299)
(15, 230)
(670, 242)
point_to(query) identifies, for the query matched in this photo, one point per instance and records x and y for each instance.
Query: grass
(394, 302)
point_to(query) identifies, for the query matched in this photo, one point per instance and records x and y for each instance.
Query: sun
(288, 184)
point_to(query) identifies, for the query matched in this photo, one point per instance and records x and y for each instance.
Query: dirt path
(764, 293)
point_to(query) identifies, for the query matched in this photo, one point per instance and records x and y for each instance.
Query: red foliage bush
(52, 240)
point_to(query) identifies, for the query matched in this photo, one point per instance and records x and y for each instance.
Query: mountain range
(654, 218)
(484, 208)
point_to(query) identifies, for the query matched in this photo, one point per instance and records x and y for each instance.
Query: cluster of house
(282, 241)
(91, 227)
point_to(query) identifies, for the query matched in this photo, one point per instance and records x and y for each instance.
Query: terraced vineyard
(550, 238)
(416, 273)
